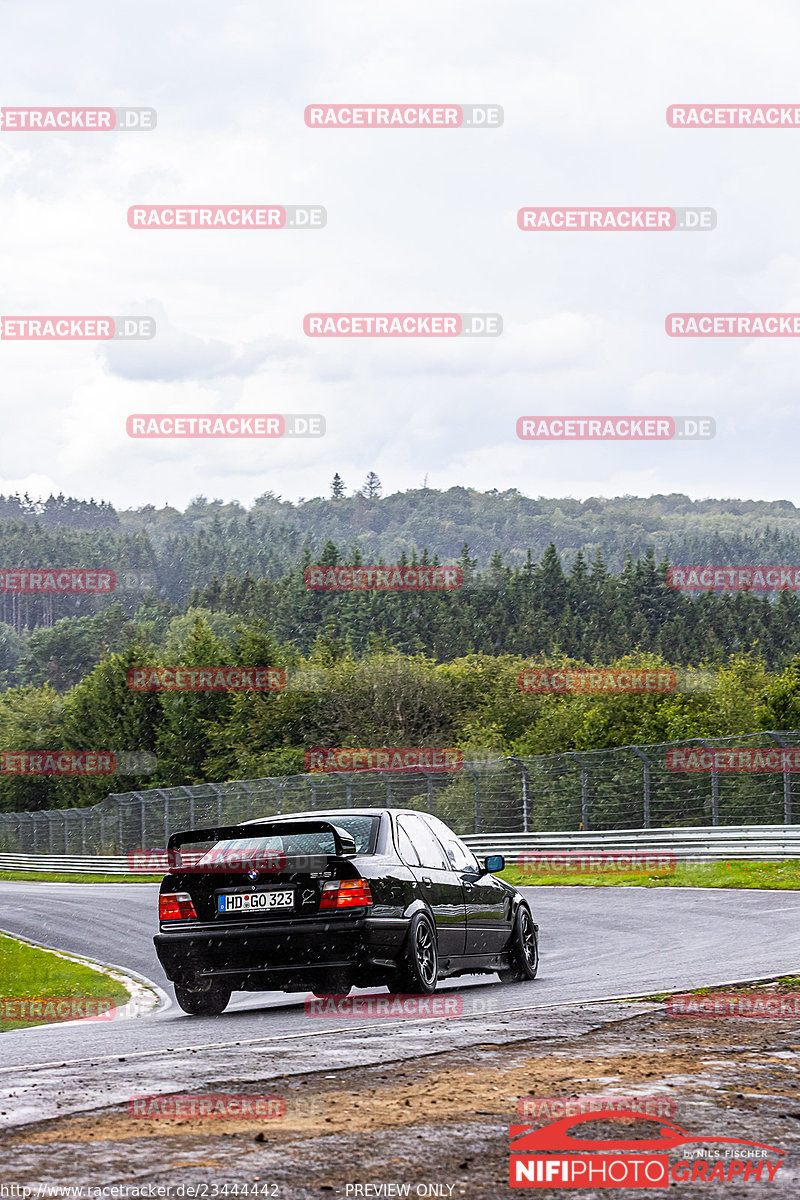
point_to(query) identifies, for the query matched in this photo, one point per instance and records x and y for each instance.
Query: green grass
(784, 876)
(732, 874)
(33, 973)
(788, 983)
(69, 877)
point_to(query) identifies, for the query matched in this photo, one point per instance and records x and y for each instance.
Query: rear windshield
(364, 831)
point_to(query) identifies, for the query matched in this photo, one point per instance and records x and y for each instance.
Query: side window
(460, 856)
(405, 846)
(426, 844)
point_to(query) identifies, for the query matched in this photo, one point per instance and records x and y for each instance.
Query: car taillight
(345, 893)
(175, 906)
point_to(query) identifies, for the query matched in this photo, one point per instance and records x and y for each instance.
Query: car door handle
(426, 880)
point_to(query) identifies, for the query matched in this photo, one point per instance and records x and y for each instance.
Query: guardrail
(68, 864)
(643, 787)
(705, 843)
(688, 844)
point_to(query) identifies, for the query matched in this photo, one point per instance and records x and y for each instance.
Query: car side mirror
(494, 863)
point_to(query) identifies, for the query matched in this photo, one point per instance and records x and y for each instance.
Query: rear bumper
(253, 955)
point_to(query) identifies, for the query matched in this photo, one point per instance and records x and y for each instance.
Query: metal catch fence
(627, 787)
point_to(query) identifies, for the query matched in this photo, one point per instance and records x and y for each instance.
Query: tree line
(539, 609)
(334, 697)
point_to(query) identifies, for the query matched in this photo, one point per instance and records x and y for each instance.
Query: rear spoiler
(343, 842)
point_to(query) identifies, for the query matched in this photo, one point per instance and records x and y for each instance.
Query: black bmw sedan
(328, 901)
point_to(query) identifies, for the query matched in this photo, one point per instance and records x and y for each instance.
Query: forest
(371, 668)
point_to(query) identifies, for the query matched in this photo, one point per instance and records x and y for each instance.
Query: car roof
(333, 812)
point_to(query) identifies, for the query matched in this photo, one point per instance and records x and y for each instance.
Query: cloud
(418, 221)
(175, 355)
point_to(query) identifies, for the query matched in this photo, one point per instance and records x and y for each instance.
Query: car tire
(418, 967)
(523, 949)
(209, 1003)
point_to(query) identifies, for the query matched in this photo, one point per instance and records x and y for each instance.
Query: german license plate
(250, 902)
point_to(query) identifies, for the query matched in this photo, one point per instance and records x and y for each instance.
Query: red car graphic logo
(530, 1139)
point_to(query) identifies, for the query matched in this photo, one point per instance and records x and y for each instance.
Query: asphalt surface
(595, 943)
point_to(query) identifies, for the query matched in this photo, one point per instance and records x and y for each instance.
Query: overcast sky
(417, 221)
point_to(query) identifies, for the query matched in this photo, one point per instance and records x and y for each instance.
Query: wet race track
(596, 944)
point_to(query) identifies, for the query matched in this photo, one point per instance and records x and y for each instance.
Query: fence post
(645, 787)
(524, 770)
(348, 789)
(714, 783)
(84, 818)
(584, 789)
(469, 767)
(218, 794)
(166, 819)
(787, 780)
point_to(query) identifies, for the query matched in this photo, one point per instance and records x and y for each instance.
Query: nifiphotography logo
(551, 1156)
